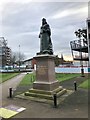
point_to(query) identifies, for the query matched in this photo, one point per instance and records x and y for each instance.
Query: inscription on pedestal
(41, 70)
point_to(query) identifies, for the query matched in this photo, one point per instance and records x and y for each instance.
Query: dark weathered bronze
(75, 85)
(55, 100)
(10, 92)
(45, 39)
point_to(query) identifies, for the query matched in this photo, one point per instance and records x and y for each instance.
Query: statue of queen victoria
(45, 39)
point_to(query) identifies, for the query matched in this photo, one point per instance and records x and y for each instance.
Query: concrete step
(63, 91)
(45, 94)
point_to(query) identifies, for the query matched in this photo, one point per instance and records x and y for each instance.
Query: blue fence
(70, 70)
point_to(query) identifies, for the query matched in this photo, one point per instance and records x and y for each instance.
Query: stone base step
(45, 94)
(61, 92)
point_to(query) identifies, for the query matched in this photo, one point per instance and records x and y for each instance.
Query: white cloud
(28, 1)
(33, 33)
(70, 12)
(21, 24)
(12, 1)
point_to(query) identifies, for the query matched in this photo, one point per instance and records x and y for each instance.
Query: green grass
(6, 76)
(85, 84)
(66, 76)
(28, 79)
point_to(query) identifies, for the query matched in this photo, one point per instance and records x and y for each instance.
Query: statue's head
(43, 21)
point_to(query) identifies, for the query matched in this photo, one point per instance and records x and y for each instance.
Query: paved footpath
(74, 106)
(4, 87)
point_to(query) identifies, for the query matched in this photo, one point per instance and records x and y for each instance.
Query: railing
(79, 49)
(77, 57)
(77, 44)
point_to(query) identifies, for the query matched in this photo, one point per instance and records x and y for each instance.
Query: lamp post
(19, 58)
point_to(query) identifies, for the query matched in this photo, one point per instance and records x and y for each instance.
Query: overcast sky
(21, 23)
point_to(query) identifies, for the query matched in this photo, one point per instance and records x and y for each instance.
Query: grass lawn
(30, 78)
(66, 76)
(85, 84)
(6, 76)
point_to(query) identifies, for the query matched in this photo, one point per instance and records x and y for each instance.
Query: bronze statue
(45, 39)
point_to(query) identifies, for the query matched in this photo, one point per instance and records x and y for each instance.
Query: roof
(28, 60)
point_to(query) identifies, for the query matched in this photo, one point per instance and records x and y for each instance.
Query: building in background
(29, 63)
(5, 53)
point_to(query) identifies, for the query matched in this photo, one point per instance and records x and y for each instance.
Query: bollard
(55, 99)
(75, 85)
(10, 92)
(82, 72)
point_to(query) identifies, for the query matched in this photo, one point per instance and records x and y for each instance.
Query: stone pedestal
(45, 73)
(46, 84)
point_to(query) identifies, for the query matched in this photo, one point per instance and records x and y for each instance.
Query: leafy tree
(82, 34)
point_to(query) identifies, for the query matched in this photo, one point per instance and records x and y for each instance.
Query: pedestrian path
(12, 83)
(74, 106)
(69, 84)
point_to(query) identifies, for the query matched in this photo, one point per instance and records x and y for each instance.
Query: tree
(57, 62)
(81, 33)
(17, 58)
(78, 33)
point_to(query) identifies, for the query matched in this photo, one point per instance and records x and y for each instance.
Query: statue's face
(43, 21)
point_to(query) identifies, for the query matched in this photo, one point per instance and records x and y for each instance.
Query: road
(4, 87)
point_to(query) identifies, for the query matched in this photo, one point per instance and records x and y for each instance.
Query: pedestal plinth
(46, 84)
(45, 73)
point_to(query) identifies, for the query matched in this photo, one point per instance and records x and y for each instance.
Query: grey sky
(21, 23)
